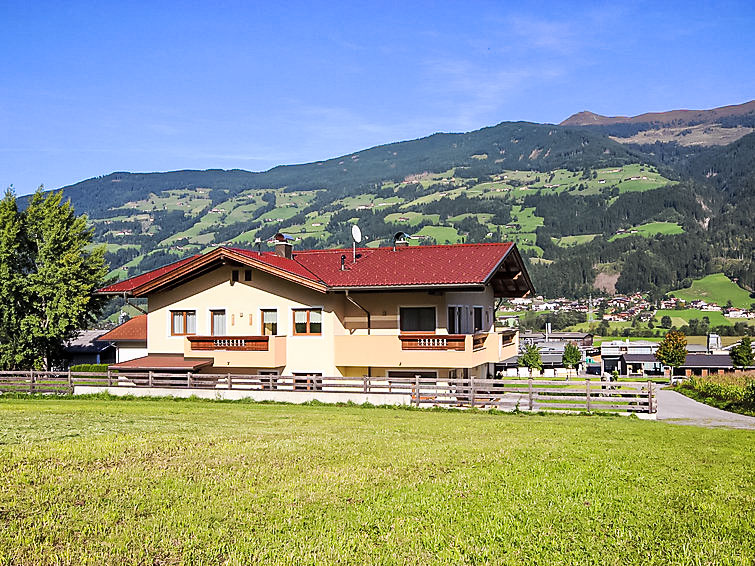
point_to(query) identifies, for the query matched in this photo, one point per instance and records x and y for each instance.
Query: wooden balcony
(230, 343)
(417, 341)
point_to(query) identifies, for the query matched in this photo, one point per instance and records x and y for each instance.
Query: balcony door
(455, 320)
(217, 323)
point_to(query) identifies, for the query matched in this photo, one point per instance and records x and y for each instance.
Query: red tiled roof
(134, 282)
(133, 330)
(164, 362)
(456, 264)
(407, 266)
(270, 258)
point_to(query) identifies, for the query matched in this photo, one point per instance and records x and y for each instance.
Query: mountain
(509, 145)
(589, 214)
(678, 128)
(671, 117)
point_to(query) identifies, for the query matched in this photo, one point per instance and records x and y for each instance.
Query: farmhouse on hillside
(392, 311)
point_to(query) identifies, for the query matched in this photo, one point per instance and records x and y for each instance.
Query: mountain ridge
(676, 117)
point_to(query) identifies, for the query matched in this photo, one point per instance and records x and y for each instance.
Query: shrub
(90, 368)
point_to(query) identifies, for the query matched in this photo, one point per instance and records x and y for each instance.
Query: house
(612, 352)
(87, 347)
(379, 312)
(129, 339)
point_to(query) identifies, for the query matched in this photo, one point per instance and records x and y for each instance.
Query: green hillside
(570, 198)
(716, 288)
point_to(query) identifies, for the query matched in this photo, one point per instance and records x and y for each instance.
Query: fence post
(472, 391)
(70, 380)
(650, 397)
(587, 394)
(149, 378)
(229, 381)
(529, 393)
(109, 379)
(416, 389)
(188, 380)
(31, 381)
(364, 384)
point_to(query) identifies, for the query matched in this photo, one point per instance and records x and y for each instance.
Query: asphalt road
(675, 408)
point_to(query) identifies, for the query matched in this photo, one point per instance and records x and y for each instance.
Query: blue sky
(91, 88)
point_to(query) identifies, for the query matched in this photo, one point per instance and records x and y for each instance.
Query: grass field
(651, 229)
(716, 288)
(92, 481)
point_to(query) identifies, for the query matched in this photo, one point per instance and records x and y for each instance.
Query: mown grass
(169, 482)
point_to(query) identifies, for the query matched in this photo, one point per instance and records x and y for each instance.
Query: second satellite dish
(356, 233)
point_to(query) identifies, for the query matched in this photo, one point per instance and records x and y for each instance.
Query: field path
(679, 409)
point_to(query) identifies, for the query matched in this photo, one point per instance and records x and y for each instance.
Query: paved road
(676, 408)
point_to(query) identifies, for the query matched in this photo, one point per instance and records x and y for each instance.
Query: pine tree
(47, 276)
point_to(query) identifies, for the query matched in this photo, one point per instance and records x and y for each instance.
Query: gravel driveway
(675, 408)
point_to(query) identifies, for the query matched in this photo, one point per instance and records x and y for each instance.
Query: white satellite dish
(356, 233)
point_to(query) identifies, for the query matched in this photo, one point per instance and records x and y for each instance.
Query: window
(269, 322)
(183, 323)
(217, 323)
(248, 275)
(307, 321)
(417, 319)
(477, 319)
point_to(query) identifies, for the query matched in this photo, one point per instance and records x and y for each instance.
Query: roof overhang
(509, 277)
(211, 260)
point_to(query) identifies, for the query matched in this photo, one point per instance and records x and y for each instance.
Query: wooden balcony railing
(235, 343)
(432, 341)
(478, 340)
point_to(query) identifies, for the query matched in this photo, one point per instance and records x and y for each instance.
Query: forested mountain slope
(584, 209)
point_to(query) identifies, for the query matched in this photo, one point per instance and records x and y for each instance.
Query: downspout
(369, 324)
(353, 302)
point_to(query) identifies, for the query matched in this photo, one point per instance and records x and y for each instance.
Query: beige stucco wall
(241, 300)
(343, 347)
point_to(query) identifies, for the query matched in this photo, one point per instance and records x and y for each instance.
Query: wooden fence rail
(505, 394)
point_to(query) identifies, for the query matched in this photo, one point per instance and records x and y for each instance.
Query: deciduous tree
(672, 350)
(531, 358)
(741, 355)
(572, 356)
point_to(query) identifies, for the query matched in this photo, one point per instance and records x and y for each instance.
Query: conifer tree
(47, 276)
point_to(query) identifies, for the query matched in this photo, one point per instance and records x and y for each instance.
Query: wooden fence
(505, 394)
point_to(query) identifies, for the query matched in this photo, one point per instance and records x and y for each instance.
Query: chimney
(284, 249)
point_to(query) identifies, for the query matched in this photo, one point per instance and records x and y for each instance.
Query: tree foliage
(572, 356)
(531, 358)
(47, 276)
(741, 355)
(672, 350)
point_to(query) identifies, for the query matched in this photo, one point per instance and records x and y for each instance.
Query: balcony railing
(232, 343)
(432, 341)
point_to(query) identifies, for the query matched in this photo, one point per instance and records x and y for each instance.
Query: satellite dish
(356, 233)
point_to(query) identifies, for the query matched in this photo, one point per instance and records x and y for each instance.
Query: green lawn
(171, 482)
(716, 288)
